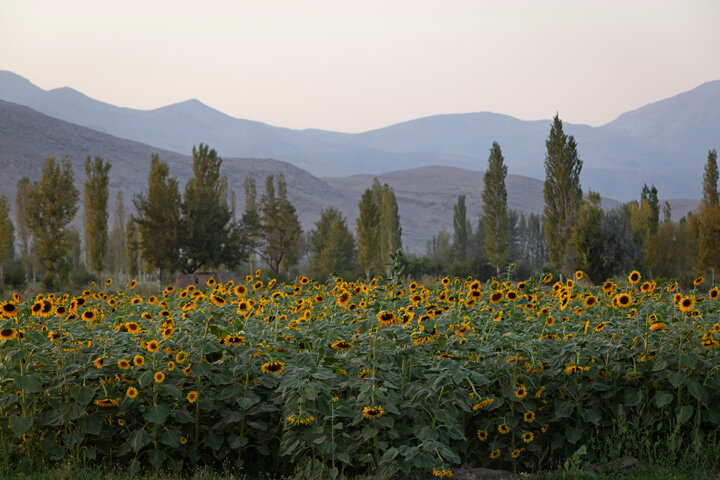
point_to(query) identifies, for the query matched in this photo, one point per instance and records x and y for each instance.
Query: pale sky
(354, 66)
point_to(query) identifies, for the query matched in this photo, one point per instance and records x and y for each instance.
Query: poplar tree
(95, 214)
(706, 224)
(208, 237)
(281, 227)
(368, 255)
(390, 230)
(52, 204)
(460, 230)
(132, 248)
(252, 222)
(495, 215)
(6, 235)
(562, 194)
(24, 235)
(587, 236)
(117, 256)
(158, 218)
(332, 246)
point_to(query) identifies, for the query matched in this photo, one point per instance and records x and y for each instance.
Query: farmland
(349, 377)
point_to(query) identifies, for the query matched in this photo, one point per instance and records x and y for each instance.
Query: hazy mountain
(664, 144)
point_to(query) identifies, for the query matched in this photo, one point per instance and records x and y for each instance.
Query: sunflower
(341, 345)
(386, 317)
(496, 297)
(180, 357)
(139, 360)
(131, 392)
(547, 279)
(36, 309)
(136, 301)
(503, 429)
(714, 293)
(132, 327)
(257, 285)
(657, 326)
(60, 310)
(107, 402)
(579, 275)
(88, 315)
(622, 300)
(529, 416)
(634, 277)
(590, 300)
(218, 300)
(686, 304)
(528, 437)
(98, 362)
(483, 403)
(495, 454)
(273, 367)
(167, 332)
(482, 435)
(521, 392)
(550, 321)
(698, 281)
(123, 364)
(153, 346)
(516, 453)
(8, 309)
(7, 334)
(159, 377)
(600, 327)
(343, 299)
(373, 412)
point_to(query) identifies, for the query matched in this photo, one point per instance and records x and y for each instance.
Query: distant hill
(426, 195)
(664, 144)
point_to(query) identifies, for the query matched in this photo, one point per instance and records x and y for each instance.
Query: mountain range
(428, 161)
(663, 144)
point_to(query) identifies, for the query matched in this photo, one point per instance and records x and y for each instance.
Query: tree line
(199, 230)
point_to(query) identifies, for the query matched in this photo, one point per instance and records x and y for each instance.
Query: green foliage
(6, 235)
(95, 213)
(52, 204)
(382, 377)
(117, 257)
(332, 246)
(252, 222)
(706, 224)
(280, 226)
(158, 218)
(378, 231)
(22, 196)
(390, 230)
(587, 237)
(132, 248)
(562, 196)
(495, 215)
(208, 236)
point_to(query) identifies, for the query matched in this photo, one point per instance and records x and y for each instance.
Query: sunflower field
(384, 376)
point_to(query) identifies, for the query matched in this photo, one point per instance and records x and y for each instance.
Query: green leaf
(389, 455)
(631, 397)
(663, 398)
(676, 378)
(684, 413)
(139, 439)
(31, 383)
(344, 457)
(19, 425)
(573, 434)
(157, 414)
(592, 415)
(82, 395)
(170, 391)
(695, 389)
(659, 366)
(171, 437)
(564, 409)
(156, 457)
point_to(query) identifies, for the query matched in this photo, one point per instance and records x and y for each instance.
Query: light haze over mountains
(663, 143)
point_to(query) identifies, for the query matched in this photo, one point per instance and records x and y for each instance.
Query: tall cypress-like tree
(208, 236)
(252, 221)
(706, 224)
(280, 225)
(132, 248)
(117, 256)
(390, 230)
(95, 214)
(562, 196)
(332, 246)
(368, 237)
(587, 236)
(24, 236)
(461, 229)
(158, 218)
(495, 215)
(52, 204)
(6, 235)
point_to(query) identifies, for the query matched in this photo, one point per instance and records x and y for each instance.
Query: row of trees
(577, 232)
(198, 230)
